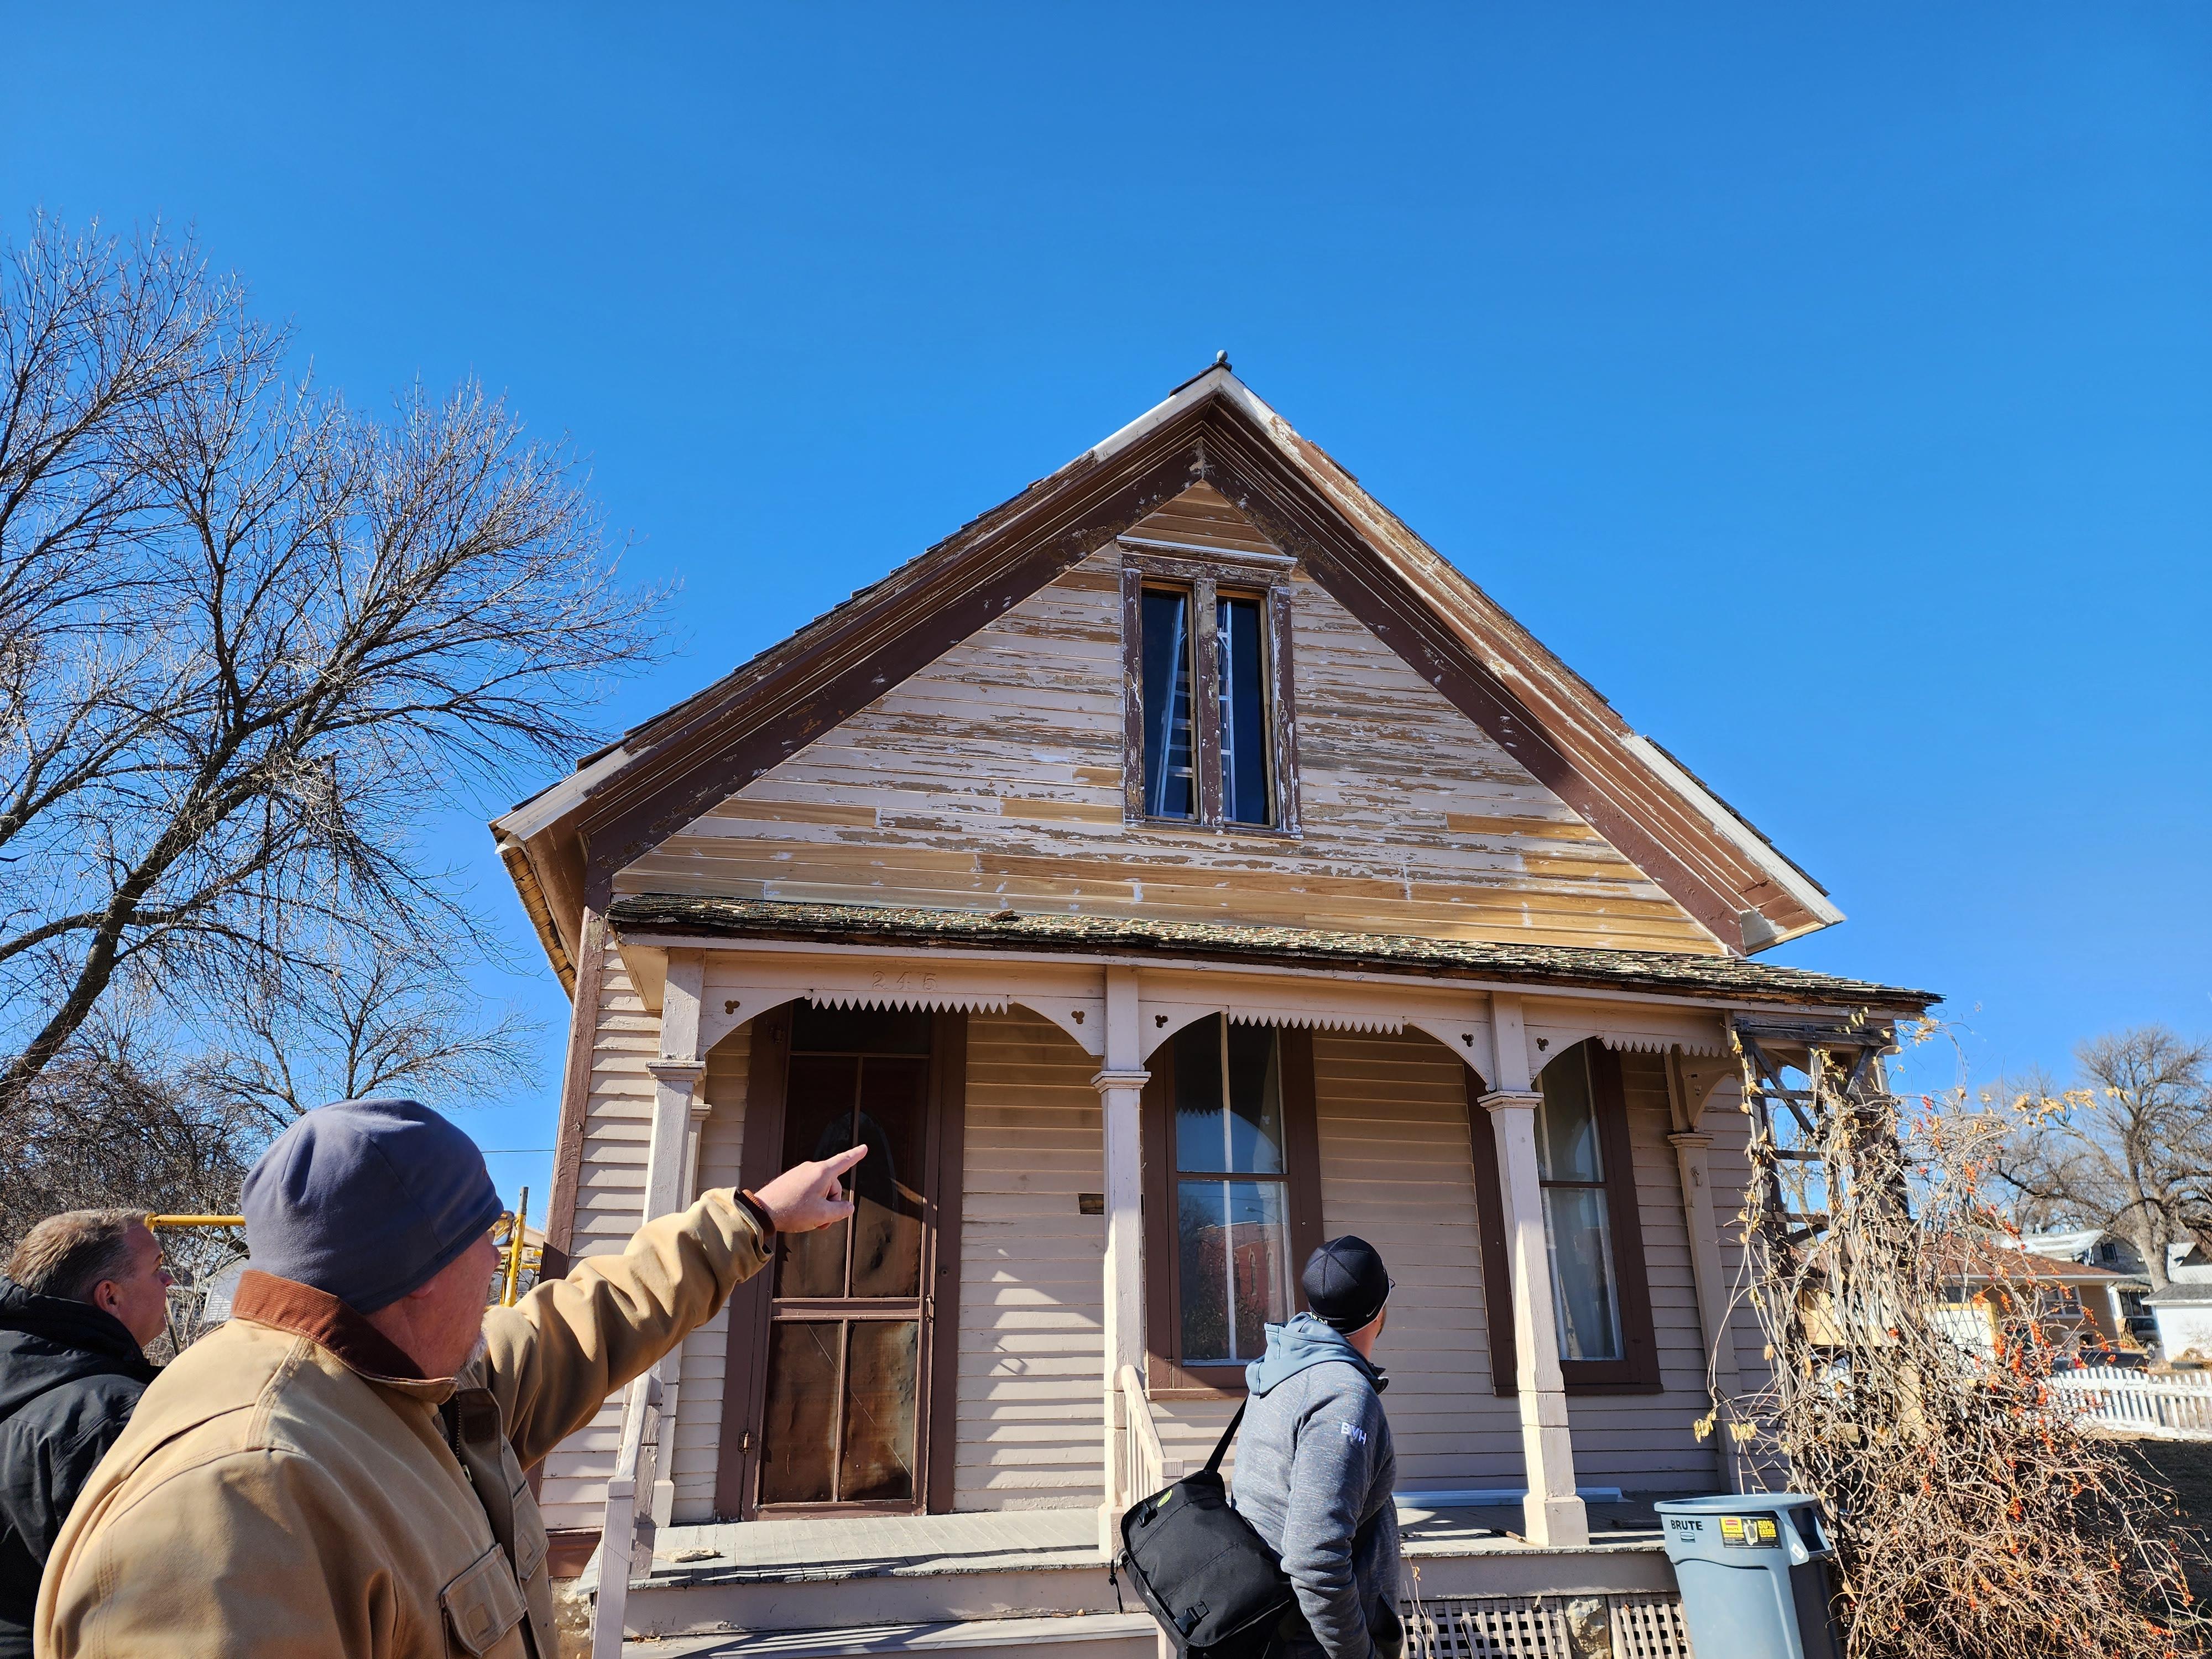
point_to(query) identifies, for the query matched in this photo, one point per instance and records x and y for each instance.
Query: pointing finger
(844, 1160)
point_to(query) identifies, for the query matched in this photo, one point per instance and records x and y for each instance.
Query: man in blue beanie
(340, 1469)
(1315, 1471)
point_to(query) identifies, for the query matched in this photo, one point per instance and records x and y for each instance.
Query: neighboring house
(1994, 1284)
(1180, 864)
(2090, 1246)
(2184, 1308)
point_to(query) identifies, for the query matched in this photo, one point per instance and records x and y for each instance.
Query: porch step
(849, 1573)
(1079, 1636)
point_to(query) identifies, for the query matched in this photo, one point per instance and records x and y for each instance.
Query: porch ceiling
(1726, 979)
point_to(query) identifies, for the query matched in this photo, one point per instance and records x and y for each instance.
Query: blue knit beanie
(366, 1199)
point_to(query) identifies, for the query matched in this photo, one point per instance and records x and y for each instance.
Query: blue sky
(1832, 387)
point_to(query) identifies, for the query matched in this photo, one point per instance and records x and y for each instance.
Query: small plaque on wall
(1090, 1203)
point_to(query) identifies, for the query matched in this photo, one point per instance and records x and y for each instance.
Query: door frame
(745, 1394)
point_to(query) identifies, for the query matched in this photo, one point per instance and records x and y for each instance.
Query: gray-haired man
(83, 1295)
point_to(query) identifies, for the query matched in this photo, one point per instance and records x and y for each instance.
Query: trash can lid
(1737, 1502)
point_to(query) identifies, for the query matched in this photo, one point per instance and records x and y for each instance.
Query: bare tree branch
(250, 639)
(2128, 1150)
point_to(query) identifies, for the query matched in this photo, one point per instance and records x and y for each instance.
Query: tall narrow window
(1170, 763)
(1232, 1200)
(1240, 652)
(1577, 1225)
(1208, 723)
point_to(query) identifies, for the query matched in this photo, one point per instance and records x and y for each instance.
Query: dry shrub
(1971, 1516)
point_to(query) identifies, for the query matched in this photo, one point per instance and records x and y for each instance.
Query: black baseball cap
(1346, 1284)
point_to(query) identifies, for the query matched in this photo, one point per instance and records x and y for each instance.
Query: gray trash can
(1753, 1569)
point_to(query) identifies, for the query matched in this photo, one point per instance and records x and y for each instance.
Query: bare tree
(115, 1123)
(382, 1020)
(2127, 1150)
(260, 637)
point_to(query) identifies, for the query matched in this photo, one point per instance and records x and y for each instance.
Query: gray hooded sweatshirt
(1315, 1472)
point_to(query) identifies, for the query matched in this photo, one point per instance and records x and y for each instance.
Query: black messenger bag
(1204, 1570)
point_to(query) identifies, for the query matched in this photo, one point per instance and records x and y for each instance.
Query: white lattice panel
(1648, 1627)
(1541, 1627)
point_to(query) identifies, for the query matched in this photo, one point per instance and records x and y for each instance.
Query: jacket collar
(76, 1326)
(285, 1305)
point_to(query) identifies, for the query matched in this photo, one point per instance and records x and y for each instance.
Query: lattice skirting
(1548, 1627)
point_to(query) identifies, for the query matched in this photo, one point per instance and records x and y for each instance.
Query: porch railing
(626, 1535)
(2179, 1404)
(1146, 1467)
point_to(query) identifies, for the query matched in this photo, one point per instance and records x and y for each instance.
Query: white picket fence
(2178, 1406)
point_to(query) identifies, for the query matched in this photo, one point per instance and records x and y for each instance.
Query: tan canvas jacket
(288, 1488)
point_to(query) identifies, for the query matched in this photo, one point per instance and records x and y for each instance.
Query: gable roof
(564, 845)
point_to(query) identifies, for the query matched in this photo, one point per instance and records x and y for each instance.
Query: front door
(843, 1352)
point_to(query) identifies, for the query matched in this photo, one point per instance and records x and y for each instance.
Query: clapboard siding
(993, 777)
(610, 1203)
(1396, 1170)
(1031, 1271)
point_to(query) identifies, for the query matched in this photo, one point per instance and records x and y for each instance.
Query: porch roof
(1723, 978)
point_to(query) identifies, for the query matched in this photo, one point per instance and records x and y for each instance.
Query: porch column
(1712, 1283)
(670, 1160)
(1691, 1145)
(1120, 1085)
(1552, 1512)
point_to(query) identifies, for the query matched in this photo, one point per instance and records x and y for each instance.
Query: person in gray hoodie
(1315, 1470)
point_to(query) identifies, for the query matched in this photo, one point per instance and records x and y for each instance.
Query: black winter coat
(69, 1377)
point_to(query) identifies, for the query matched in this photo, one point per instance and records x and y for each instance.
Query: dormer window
(1209, 719)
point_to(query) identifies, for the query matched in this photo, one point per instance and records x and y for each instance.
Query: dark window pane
(1566, 1123)
(887, 1186)
(1239, 1131)
(1255, 1102)
(817, 1122)
(1170, 784)
(1577, 1228)
(1240, 650)
(1232, 1251)
(880, 1381)
(859, 1031)
(799, 1429)
(1199, 1141)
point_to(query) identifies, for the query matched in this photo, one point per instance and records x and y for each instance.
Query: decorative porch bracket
(1552, 1515)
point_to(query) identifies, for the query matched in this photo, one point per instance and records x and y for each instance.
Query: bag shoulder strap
(1221, 1446)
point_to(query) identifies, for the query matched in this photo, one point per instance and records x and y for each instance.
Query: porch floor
(929, 1545)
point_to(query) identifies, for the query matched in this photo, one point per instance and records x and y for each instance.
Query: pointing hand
(808, 1195)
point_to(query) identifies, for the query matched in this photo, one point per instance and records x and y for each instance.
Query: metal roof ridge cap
(1196, 390)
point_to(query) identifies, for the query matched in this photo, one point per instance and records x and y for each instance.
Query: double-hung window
(1570, 1162)
(1592, 1234)
(1209, 718)
(1231, 1196)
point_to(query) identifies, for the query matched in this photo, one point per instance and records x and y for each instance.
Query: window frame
(1166, 1377)
(1209, 575)
(1638, 1370)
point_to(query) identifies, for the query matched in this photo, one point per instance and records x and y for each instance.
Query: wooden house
(1180, 864)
